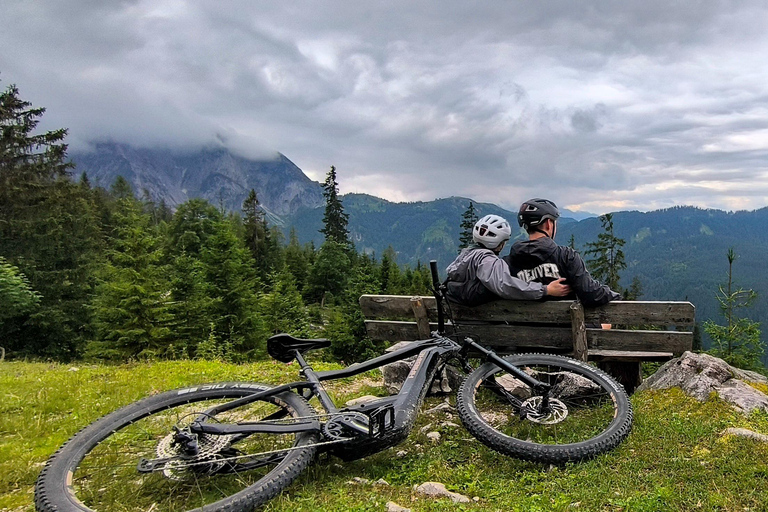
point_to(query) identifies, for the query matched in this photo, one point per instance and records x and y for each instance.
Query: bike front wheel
(585, 413)
(98, 468)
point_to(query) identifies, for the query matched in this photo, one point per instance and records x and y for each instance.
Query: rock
(394, 507)
(443, 407)
(438, 490)
(381, 481)
(434, 437)
(395, 374)
(743, 432)
(701, 374)
(743, 396)
(361, 400)
(359, 480)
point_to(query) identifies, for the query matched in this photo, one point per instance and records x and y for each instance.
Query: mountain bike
(233, 446)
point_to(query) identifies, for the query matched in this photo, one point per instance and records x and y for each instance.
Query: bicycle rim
(97, 469)
(585, 413)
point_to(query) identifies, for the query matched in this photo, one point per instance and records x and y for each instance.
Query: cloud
(626, 105)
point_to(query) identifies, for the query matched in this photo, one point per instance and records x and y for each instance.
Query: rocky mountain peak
(215, 174)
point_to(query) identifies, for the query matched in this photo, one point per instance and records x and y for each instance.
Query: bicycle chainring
(339, 427)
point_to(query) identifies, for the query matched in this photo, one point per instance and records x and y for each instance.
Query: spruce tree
(738, 341)
(282, 309)
(335, 221)
(468, 220)
(297, 261)
(329, 273)
(256, 234)
(47, 229)
(131, 304)
(607, 256)
(232, 284)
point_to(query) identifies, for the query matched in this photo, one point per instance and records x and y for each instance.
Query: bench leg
(627, 373)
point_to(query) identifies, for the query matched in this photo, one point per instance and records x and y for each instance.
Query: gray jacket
(478, 275)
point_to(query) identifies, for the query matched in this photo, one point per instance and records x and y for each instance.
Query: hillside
(680, 254)
(675, 458)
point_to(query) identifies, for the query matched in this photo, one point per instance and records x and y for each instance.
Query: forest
(101, 273)
(109, 274)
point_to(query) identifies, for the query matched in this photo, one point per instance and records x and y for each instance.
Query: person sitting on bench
(478, 275)
(540, 260)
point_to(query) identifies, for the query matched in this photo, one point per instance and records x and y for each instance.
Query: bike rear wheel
(97, 468)
(587, 412)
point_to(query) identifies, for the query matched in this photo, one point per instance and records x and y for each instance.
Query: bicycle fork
(540, 388)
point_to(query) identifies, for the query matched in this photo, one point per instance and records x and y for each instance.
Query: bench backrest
(656, 330)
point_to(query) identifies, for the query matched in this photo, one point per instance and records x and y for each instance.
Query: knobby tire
(599, 414)
(97, 468)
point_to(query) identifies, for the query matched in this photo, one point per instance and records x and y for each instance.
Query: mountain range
(677, 253)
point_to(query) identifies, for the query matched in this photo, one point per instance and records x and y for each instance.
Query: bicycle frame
(399, 409)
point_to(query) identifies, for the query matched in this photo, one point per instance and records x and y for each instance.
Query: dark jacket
(543, 261)
(478, 275)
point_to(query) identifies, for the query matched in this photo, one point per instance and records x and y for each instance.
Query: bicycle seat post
(317, 387)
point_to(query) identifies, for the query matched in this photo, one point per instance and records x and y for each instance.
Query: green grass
(675, 458)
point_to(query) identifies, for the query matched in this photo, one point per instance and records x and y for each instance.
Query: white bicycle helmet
(491, 231)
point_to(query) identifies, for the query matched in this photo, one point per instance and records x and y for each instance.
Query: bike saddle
(283, 346)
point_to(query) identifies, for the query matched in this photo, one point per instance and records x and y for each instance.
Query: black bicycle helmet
(535, 211)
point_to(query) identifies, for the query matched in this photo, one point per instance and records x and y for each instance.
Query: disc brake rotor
(555, 413)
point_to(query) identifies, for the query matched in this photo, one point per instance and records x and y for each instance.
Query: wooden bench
(640, 330)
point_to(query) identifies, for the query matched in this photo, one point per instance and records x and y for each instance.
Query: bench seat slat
(657, 313)
(508, 338)
(623, 355)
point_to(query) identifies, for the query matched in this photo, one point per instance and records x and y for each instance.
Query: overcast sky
(600, 106)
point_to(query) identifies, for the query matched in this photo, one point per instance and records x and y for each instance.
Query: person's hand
(558, 289)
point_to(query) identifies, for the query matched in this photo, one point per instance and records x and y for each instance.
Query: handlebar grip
(435, 276)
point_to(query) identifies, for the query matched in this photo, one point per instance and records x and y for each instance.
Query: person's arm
(589, 291)
(493, 272)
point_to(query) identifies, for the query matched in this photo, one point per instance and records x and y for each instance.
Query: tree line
(108, 273)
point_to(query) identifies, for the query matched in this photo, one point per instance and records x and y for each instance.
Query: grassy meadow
(675, 459)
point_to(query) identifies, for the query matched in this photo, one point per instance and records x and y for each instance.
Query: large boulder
(699, 375)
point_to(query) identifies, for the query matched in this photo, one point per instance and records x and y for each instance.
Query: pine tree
(738, 341)
(329, 273)
(257, 237)
(282, 309)
(608, 258)
(232, 283)
(47, 229)
(389, 273)
(297, 260)
(191, 305)
(468, 220)
(335, 221)
(132, 306)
